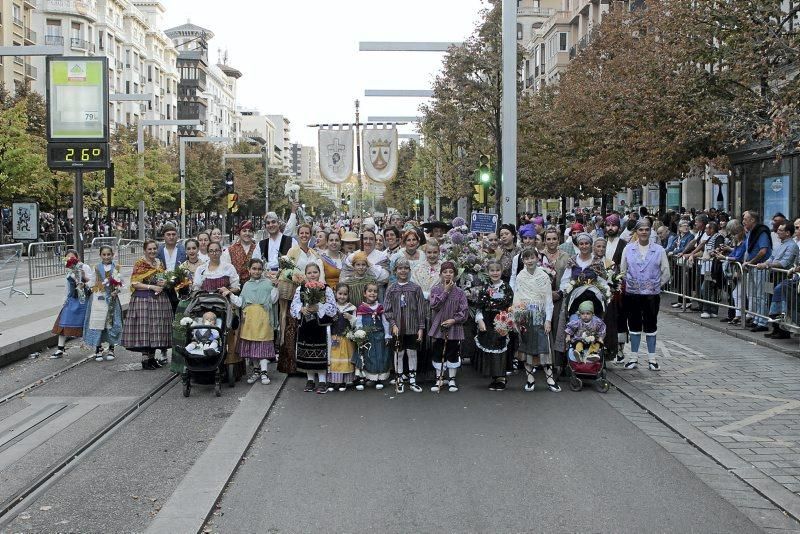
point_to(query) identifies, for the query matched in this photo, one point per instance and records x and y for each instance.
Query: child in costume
(104, 312)
(372, 360)
(405, 312)
(492, 345)
(204, 340)
(361, 276)
(72, 316)
(260, 316)
(313, 320)
(587, 332)
(449, 307)
(534, 294)
(340, 366)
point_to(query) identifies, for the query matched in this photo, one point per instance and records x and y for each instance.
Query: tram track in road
(44, 380)
(15, 504)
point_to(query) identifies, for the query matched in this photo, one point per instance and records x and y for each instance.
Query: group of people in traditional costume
(360, 308)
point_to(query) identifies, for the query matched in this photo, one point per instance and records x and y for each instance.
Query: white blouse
(224, 269)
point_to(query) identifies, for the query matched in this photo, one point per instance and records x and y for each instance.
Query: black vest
(283, 248)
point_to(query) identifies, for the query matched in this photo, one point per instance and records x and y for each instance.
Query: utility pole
(509, 112)
(360, 192)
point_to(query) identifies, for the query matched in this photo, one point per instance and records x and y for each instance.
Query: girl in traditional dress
(340, 367)
(332, 258)
(71, 318)
(148, 324)
(450, 309)
(257, 332)
(361, 276)
(104, 312)
(491, 344)
(312, 331)
(405, 313)
(215, 277)
(372, 364)
(534, 293)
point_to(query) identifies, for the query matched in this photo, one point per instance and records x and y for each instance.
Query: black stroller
(577, 370)
(208, 363)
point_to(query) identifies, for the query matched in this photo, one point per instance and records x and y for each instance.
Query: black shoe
(501, 385)
(309, 386)
(780, 334)
(759, 328)
(493, 385)
(150, 365)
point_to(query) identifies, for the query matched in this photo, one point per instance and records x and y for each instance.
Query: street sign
(25, 221)
(77, 99)
(484, 223)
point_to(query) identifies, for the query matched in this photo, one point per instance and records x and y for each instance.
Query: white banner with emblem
(379, 146)
(336, 153)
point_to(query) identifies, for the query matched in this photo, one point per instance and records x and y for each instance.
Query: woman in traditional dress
(556, 260)
(410, 251)
(372, 361)
(313, 320)
(213, 277)
(611, 315)
(534, 301)
(301, 254)
(332, 259)
(492, 345)
(104, 312)
(148, 324)
(192, 263)
(257, 333)
(203, 240)
(507, 249)
(240, 253)
(71, 318)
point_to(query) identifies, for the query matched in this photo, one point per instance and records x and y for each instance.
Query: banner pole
(360, 195)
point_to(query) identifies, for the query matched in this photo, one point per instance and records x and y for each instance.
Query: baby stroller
(208, 364)
(578, 371)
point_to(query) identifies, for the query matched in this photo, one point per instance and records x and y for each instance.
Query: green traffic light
(486, 177)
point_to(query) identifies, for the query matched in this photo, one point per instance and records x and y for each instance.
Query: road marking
(731, 429)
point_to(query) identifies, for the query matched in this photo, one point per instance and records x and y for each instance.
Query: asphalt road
(472, 461)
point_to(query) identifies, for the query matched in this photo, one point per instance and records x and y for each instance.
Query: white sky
(300, 58)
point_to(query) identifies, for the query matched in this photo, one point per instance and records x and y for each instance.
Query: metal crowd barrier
(93, 251)
(10, 260)
(716, 285)
(128, 251)
(45, 260)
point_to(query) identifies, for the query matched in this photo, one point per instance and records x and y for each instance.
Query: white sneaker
(378, 385)
(594, 357)
(98, 357)
(676, 305)
(452, 387)
(253, 378)
(632, 364)
(359, 387)
(264, 378)
(705, 315)
(59, 353)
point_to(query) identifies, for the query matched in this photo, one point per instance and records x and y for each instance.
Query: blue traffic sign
(484, 223)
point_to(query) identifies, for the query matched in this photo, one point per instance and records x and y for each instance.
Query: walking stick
(398, 358)
(440, 378)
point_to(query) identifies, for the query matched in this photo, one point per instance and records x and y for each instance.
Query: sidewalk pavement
(737, 402)
(25, 323)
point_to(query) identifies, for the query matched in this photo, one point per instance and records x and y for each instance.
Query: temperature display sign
(77, 155)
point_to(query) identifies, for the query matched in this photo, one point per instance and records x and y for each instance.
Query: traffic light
(233, 202)
(484, 170)
(229, 181)
(480, 194)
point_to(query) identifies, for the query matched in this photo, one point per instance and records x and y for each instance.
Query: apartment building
(258, 129)
(16, 29)
(283, 131)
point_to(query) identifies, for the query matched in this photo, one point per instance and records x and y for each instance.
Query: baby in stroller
(584, 334)
(205, 341)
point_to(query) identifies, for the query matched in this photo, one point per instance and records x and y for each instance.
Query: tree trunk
(662, 197)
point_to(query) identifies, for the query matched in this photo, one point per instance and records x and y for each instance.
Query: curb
(735, 332)
(192, 503)
(20, 349)
(765, 486)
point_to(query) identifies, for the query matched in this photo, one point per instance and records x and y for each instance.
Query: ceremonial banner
(379, 146)
(336, 154)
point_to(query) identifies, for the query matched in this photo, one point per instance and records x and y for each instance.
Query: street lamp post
(140, 168)
(509, 112)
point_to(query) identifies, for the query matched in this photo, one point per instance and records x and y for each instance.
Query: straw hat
(350, 237)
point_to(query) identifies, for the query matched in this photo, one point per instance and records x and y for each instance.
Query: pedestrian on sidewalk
(148, 325)
(104, 311)
(257, 332)
(758, 247)
(646, 269)
(72, 316)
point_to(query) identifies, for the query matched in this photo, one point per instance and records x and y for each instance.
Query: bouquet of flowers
(314, 293)
(503, 323)
(177, 278)
(113, 282)
(604, 288)
(180, 327)
(614, 279)
(289, 277)
(73, 266)
(359, 337)
(524, 314)
(287, 268)
(588, 338)
(464, 249)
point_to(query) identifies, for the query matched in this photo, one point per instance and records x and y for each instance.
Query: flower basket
(286, 289)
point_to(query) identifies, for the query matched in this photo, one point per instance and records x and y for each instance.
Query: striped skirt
(148, 325)
(257, 350)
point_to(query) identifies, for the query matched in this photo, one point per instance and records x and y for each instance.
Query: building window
(16, 13)
(54, 27)
(519, 32)
(76, 30)
(562, 42)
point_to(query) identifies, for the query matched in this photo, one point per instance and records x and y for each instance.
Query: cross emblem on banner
(335, 152)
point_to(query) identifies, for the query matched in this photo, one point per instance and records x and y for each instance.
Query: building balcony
(535, 12)
(33, 4)
(54, 40)
(120, 64)
(529, 81)
(18, 60)
(30, 36)
(76, 43)
(83, 8)
(194, 83)
(31, 71)
(18, 22)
